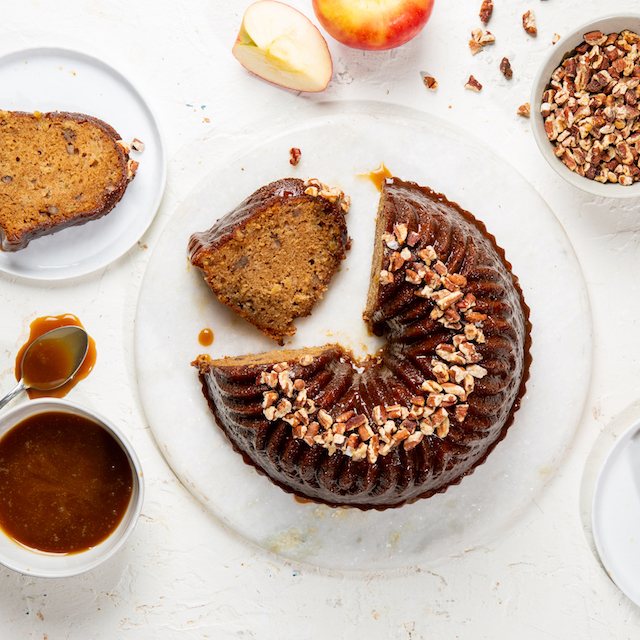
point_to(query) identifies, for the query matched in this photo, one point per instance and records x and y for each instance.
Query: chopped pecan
(413, 440)
(505, 67)
(524, 110)
(486, 9)
(396, 261)
(325, 419)
(379, 415)
(386, 277)
(429, 81)
(595, 38)
(589, 108)
(472, 84)
(295, 154)
(529, 23)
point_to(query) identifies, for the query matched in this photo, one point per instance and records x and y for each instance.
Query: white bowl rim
(75, 564)
(553, 59)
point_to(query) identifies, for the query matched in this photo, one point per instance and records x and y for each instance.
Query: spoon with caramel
(51, 360)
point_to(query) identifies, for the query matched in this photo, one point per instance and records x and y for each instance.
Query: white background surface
(182, 574)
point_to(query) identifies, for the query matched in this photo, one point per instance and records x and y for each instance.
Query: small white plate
(616, 513)
(52, 79)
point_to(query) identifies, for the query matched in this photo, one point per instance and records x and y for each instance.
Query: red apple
(373, 24)
(279, 44)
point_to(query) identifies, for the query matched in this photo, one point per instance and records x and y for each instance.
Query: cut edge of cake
(50, 173)
(271, 258)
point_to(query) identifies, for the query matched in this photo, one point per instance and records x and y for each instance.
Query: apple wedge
(279, 44)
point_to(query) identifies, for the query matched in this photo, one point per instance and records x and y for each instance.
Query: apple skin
(373, 25)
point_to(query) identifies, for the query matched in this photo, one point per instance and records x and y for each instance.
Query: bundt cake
(422, 413)
(271, 258)
(57, 170)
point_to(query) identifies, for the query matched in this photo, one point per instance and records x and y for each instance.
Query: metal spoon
(71, 341)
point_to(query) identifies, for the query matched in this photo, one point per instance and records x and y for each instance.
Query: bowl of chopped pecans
(585, 107)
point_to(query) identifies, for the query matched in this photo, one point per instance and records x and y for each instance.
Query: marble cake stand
(340, 144)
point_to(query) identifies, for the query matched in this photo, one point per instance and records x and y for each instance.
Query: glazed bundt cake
(57, 170)
(422, 413)
(272, 257)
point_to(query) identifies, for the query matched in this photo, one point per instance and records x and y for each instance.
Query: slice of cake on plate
(57, 170)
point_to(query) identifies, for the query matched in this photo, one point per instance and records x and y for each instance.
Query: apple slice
(281, 45)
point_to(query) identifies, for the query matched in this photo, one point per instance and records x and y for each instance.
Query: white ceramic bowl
(47, 565)
(553, 59)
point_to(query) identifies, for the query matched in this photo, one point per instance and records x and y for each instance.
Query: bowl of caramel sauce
(71, 488)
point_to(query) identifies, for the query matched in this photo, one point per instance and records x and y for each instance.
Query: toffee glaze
(205, 337)
(378, 176)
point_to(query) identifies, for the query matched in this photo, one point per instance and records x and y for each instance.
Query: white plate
(616, 513)
(51, 79)
(175, 304)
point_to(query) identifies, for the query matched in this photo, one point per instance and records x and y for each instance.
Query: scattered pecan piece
(137, 145)
(486, 10)
(529, 23)
(429, 81)
(505, 67)
(295, 154)
(475, 47)
(479, 39)
(524, 110)
(473, 84)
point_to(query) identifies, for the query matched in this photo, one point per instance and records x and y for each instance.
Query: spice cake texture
(423, 412)
(272, 257)
(57, 170)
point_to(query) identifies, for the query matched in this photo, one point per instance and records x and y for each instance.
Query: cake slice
(272, 257)
(57, 170)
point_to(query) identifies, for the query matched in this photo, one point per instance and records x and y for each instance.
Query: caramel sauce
(48, 364)
(51, 362)
(301, 500)
(65, 483)
(205, 337)
(377, 176)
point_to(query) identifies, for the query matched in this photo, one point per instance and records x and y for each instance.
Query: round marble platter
(340, 146)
